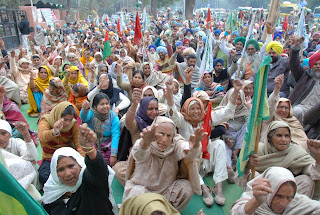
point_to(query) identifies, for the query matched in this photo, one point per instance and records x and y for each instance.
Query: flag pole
(256, 146)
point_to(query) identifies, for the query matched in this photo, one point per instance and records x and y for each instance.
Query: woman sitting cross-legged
(274, 192)
(105, 123)
(78, 185)
(159, 151)
(36, 89)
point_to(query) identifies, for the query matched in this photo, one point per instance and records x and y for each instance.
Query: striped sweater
(50, 143)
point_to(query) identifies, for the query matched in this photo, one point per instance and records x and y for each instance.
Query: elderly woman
(281, 110)
(274, 192)
(248, 88)
(95, 74)
(192, 115)
(159, 150)
(280, 151)
(57, 129)
(72, 59)
(78, 185)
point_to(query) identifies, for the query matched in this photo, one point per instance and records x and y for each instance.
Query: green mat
(231, 192)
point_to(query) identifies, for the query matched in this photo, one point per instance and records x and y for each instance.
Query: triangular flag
(106, 19)
(137, 31)
(118, 27)
(208, 17)
(285, 23)
(107, 47)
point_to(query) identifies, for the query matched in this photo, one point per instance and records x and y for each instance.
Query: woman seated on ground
(24, 149)
(274, 192)
(138, 81)
(53, 95)
(279, 150)
(57, 129)
(214, 90)
(36, 89)
(75, 77)
(21, 75)
(193, 115)
(281, 110)
(74, 61)
(105, 123)
(159, 150)
(78, 95)
(78, 185)
(147, 204)
(154, 78)
(237, 126)
(150, 91)
(56, 67)
(177, 96)
(118, 101)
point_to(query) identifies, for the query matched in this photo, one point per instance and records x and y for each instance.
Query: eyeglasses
(283, 107)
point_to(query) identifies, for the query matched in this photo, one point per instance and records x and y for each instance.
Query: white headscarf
(277, 176)
(53, 188)
(4, 125)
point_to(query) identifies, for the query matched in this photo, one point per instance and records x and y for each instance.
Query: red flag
(241, 16)
(137, 31)
(285, 23)
(118, 27)
(106, 19)
(208, 17)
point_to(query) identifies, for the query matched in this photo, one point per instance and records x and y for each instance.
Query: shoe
(208, 200)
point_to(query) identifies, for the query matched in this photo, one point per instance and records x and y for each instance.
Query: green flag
(259, 112)
(14, 199)
(107, 47)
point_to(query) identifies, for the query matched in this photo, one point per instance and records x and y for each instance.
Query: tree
(189, 5)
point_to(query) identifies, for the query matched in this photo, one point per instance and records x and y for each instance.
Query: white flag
(207, 59)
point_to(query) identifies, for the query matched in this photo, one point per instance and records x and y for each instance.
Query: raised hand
(278, 81)
(12, 53)
(196, 138)
(57, 127)
(314, 147)
(148, 136)
(21, 127)
(87, 137)
(269, 28)
(248, 101)
(188, 72)
(136, 96)
(232, 53)
(261, 187)
(86, 105)
(237, 84)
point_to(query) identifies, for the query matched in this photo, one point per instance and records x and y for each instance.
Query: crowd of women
(148, 115)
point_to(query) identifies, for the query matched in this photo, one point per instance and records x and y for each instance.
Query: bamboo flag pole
(253, 170)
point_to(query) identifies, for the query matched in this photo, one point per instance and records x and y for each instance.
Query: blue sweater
(111, 128)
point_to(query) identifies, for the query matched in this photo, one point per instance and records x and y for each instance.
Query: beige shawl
(293, 158)
(277, 176)
(156, 78)
(298, 134)
(241, 110)
(188, 167)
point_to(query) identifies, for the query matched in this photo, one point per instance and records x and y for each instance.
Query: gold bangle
(87, 152)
